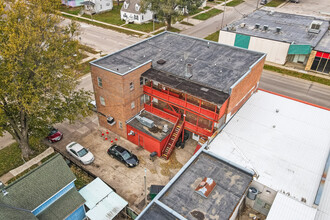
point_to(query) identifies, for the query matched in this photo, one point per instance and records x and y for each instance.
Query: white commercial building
(287, 143)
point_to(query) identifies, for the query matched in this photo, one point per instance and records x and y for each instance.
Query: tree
(169, 9)
(38, 58)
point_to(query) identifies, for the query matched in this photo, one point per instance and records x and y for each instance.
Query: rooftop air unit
(315, 27)
(145, 121)
(257, 26)
(265, 27)
(2, 188)
(278, 29)
(205, 187)
(243, 25)
(188, 74)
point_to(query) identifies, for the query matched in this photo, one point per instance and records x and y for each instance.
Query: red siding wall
(147, 142)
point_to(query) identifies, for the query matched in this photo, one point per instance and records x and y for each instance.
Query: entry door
(141, 141)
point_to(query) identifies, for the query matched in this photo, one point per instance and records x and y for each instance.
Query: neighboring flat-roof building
(319, 59)
(195, 84)
(179, 199)
(47, 192)
(287, 143)
(283, 37)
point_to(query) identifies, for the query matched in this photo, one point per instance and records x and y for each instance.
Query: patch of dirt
(171, 164)
(155, 129)
(153, 171)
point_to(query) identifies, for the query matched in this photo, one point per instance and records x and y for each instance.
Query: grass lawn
(147, 27)
(234, 3)
(74, 11)
(84, 67)
(186, 23)
(10, 158)
(208, 14)
(275, 3)
(193, 12)
(206, 7)
(172, 29)
(213, 37)
(103, 26)
(111, 17)
(88, 49)
(82, 177)
(298, 75)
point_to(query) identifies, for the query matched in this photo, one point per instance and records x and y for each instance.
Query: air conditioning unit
(111, 121)
(145, 121)
(315, 27)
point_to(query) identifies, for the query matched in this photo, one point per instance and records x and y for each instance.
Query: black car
(123, 155)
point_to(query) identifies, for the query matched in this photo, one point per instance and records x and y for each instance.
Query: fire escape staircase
(175, 134)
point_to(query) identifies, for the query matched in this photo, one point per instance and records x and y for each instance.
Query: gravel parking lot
(128, 182)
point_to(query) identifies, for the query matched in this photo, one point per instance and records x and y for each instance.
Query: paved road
(297, 88)
(213, 24)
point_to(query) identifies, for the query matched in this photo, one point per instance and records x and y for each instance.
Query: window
(99, 81)
(136, 17)
(131, 86)
(120, 124)
(141, 100)
(133, 105)
(137, 7)
(126, 5)
(141, 81)
(102, 101)
(100, 6)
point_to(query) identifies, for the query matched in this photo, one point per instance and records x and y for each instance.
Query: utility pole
(257, 4)
(223, 15)
(145, 186)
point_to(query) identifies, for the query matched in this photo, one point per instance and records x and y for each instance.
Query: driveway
(128, 182)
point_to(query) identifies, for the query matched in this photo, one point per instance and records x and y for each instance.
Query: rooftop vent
(265, 27)
(165, 128)
(161, 61)
(145, 121)
(315, 27)
(205, 187)
(243, 25)
(278, 29)
(204, 89)
(2, 188)
(188, 73)
(257, 26)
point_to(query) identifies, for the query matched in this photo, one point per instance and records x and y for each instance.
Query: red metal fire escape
(171, 141)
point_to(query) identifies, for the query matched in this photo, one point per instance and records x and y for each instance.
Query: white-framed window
(141, 100)
(141, 81)
(120, 124)
(126, 5)
(100, 6)
(102, 101)
(99, 81)
(137, 7)
(131, 86)
(133, 105)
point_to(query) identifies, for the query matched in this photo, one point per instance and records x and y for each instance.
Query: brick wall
(118, 96)
(244, 89)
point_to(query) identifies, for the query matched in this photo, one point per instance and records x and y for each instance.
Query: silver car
(80, 153)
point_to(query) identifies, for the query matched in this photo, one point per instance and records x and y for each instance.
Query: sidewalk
(6, 177)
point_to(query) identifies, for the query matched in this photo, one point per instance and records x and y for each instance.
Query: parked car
(123, 155)
(80, 153)
(54, 135)
(92, 105)
(263, 2)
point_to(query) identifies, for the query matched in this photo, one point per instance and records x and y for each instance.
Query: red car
(54, 136)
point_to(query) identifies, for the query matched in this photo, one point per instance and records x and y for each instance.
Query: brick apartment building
(153, 90)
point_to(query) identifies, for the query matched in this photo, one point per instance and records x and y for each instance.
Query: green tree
(38, 58)
(169, 9)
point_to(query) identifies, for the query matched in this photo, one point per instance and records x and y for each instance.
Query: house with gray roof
(131, 12)
(283, 37)
(47, 192)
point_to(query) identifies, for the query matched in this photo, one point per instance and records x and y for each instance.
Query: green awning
(242, 41)
(299, 49)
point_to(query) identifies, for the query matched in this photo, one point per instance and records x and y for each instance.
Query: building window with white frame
(131, 86)
(99, 82)
(133, 105)
(102, 101)
(120, 124)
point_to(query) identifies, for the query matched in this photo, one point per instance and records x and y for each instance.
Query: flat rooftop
(156, 131)
(187, 86)
(213, 65)
(294, 28)
(180, 197)
(324, 44)
(284, 141)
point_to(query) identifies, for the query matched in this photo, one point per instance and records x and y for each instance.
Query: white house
(131, 12)
(97, 6)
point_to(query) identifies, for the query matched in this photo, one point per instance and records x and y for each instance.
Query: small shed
(103, 203)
